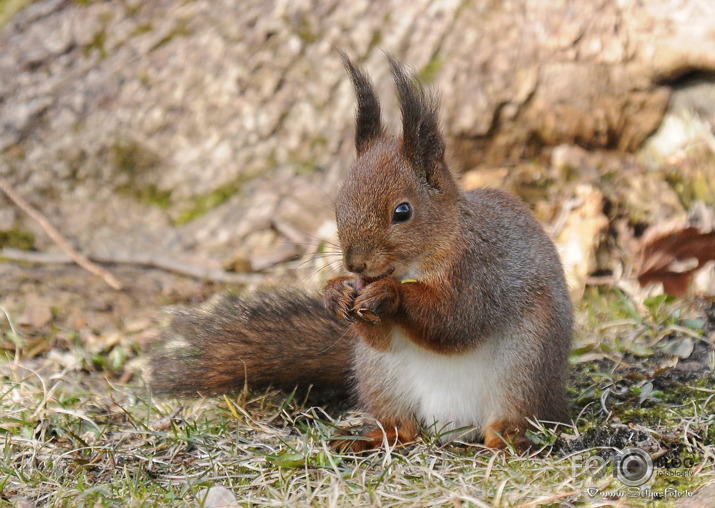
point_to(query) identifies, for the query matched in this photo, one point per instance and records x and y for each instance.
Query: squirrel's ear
(368, 122)
(422, 141)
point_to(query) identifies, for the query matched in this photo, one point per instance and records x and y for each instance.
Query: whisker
(313, 258)
(331, 264)
(316, 272)
(318, 243)
(293, 235)
(329, 197)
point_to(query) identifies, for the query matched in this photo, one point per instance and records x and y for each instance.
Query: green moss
(318, 141)
(132, 10)
(302, 165)
(8, 8)
(652, 415)
(141, 29)
(428, 73)
(203, 203)
(17, 238)
(375, 40)
(14, 153)
(693, 184)
(135, 165)
(144, 79)
(132, 158)
(98, 44)
(180, 29)
(680, 482)
(271, 161)
(305, 168)
(148, 194)
(602, 304)
(305, 31)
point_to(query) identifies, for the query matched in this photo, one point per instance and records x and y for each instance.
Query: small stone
(37, 314)
(217, 497)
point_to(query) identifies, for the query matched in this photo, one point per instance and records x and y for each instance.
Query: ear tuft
(368, 121)
(422, 142)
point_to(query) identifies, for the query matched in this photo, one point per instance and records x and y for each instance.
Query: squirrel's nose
(355, 259)
(356, 267)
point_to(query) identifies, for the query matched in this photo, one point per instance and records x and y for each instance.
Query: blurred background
(212, 135)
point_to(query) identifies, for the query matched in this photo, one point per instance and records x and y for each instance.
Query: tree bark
(194, 126)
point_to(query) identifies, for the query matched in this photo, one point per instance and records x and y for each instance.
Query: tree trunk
(215, 127)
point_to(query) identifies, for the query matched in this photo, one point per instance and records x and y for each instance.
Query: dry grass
(74, 435)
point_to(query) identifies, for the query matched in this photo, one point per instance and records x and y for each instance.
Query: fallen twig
(56, 237)
(146, 260)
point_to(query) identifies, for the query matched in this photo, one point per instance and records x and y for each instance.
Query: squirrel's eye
(402, 213)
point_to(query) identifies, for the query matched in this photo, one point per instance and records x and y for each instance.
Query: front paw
(338, 295)
(377, 300)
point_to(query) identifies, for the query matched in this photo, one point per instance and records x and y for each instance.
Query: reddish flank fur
(455, 312)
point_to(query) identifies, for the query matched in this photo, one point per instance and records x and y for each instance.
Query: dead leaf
(681, 347)
(165, 422)
(578, 230)
(639, 350)
(704, 280)
(673, 258)
(647, 393)
(37, 314)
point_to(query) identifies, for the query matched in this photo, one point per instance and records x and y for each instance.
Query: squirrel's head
(397, 211)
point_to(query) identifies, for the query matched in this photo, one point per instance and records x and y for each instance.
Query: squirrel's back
(504, 237)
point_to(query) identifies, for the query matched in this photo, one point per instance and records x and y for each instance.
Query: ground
(81, 428)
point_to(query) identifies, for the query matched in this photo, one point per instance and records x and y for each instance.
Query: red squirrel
(455, 312)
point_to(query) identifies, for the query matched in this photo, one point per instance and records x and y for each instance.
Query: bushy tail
(283, 339)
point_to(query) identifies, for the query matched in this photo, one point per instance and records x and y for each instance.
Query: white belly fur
(446, 392)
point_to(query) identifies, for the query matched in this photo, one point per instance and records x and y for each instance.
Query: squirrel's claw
(338, 296)
(368, 315)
